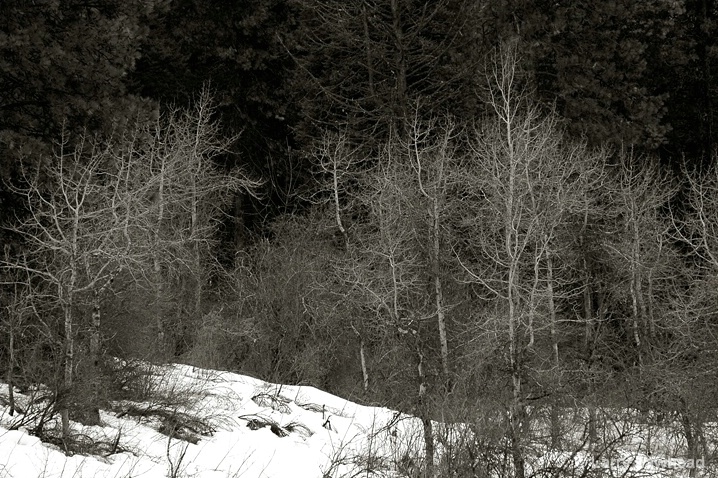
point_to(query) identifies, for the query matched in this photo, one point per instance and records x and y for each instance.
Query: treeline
(465, 211)
(283, 70)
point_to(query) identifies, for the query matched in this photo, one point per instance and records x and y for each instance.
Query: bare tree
(433, 153)
(395, 266)
(392, 274)
(522, 186)
(692, 355)
(74, 238)
(507, 151)
(638, 193)
(185, 196)
(15, 312)
(337, 166)
(103, 207)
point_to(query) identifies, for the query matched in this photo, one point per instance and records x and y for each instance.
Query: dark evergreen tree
(237, 50)
(367, 65)
(687, 76)
(595, 64)
(63, 66)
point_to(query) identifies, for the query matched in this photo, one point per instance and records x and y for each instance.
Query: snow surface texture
(257, 430)
(243, 427)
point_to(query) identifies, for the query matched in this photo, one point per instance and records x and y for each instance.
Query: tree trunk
(429, 441)
(364, 370)
(532, 303)
(638, 307)
(517, 423)
(69, 365)
(552, 308)
(512, 295)
(695, 440)
(401, 102)
(362, 358)
(434, 195)
(68, 301)
(10, 370)
(337, 205)
(555, 407)
(691, 440)
(588, 347)
(194, 224)
(93, 415)
(425, 419)
(157, 265)
(12, 315)
(650, 316)
(438, 289)
(592, 428)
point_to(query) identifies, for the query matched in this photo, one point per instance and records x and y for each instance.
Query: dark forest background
(441, 206)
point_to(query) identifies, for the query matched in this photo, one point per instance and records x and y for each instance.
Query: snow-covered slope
(209, 424)
(246, 428)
